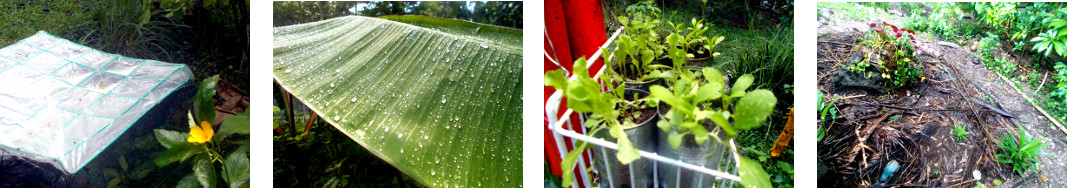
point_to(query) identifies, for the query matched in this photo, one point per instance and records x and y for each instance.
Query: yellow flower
(201, 134)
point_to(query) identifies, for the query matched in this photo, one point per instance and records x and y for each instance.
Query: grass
(122, 32)
(24, 18)
(853, 11)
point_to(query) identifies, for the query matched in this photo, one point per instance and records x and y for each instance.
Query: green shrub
(1058, 96)
(643, 7)
(987, 46)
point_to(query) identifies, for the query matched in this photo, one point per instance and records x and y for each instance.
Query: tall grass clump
(768, 57)
(130, 28)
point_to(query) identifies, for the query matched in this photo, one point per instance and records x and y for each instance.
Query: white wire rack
(556, 125)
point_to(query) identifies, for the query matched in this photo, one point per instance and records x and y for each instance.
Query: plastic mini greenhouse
(711, 174)
(63, 103)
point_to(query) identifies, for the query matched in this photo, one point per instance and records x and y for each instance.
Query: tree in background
(501, 13)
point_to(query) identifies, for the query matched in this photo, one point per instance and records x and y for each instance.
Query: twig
(991, 107)
(1054, 121)
(1042, 83)
(307, 128)
(991, 97)
(854, 96)
(837, 43)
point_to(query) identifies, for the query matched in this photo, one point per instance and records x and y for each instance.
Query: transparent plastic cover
(63, 103)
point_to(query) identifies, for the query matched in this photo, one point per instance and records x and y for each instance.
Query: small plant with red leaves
(892, 51)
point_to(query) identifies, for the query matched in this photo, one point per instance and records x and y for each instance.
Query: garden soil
(914, 126)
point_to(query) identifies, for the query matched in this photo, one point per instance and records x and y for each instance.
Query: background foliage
(501, 13)
(211, 36)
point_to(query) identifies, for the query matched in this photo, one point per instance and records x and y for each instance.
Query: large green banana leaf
(439, 99)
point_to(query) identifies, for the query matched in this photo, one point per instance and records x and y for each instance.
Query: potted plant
(624, 113)
(699, 49)
(635, 51)
(702, 110)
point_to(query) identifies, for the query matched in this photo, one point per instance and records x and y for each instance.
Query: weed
(1020, 152)
(825, 109)
(1003, 66)
(960, 132)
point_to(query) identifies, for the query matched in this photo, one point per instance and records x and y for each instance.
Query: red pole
(574, 29)
(556, 45)
(585, 24)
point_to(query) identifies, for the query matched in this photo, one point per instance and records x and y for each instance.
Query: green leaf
(675, 139)
(189, 181)
(663, 124)
(752, 174)
(1059, 46)
(123, 164)
(720, 119)
(754, 108)
(647, 56)
(709, 91)
(627, 152)
(570, 160)
(593, 122)
(145, 169)
(712, 75)
(115, 182)
(179, 152)
(674, 39)
(234, 124)
(785, 166)
(111, 172)
(702, 114)
(205, 171)
(700, 134)
(235, 170)
(741, 85)
(666, 96)
(426, 81)
(615, 131)
(556, 79)
(169, 138)
(204, 102)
